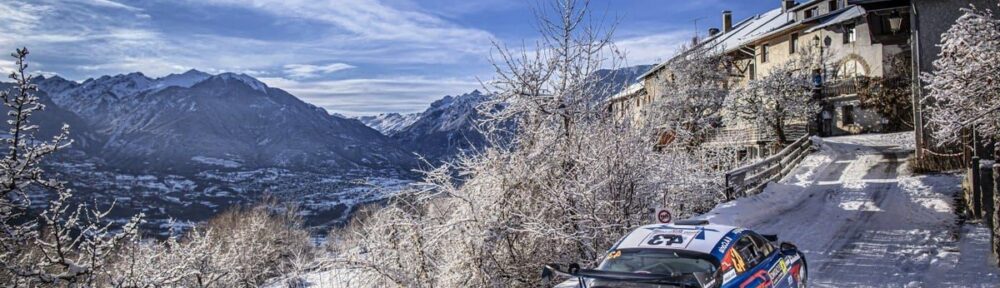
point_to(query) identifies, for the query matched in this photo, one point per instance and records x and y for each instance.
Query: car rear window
(658, 261)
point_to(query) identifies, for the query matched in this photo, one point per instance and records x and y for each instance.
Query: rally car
(691, 253)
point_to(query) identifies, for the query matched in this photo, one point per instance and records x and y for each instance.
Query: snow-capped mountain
(617, 79)
(389, 123)
(186, 79)
(446, 128)
(51, 119)
(173, 124)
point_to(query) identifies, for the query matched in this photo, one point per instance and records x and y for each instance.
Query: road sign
(663, 216)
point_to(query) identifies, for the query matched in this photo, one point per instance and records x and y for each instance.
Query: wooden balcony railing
(853, 85)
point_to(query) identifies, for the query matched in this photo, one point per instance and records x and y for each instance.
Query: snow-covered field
(864, 220)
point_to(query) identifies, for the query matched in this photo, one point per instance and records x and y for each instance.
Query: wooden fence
(751, 179)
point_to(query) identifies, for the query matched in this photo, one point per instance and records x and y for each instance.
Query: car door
(744, 265)
(741, 264)
(775, 264)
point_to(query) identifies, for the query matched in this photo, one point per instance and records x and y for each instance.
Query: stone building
(845, 39)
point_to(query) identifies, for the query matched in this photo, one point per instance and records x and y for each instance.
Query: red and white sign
(663, 216)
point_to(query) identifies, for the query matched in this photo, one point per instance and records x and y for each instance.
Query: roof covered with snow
(741, 34)
(698, 238)
(838, 17)
(628, 91)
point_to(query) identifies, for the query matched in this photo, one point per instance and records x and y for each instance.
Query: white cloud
(365, 21)
(313, 71)
(653, 48)
(112, 4)
(354, 97)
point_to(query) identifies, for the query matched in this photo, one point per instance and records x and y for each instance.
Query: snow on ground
(216, 161)
(333, 278)
(864, 220)
(860, 216)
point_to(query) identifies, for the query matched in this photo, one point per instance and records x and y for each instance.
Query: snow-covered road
(864, 220)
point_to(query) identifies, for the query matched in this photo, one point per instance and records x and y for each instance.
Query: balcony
(853, 85)
(841, 87)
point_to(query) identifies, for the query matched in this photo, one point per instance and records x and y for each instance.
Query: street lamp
(895, 21)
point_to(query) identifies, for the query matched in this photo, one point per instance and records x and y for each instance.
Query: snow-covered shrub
(240, 248)
(964, 89)
(695, 178)
(67, 244)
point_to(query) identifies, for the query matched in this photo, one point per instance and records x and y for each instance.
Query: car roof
(708, 238)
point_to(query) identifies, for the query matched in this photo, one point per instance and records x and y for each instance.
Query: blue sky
(353, 57)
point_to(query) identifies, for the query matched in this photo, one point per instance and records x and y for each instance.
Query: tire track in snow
(864, 221)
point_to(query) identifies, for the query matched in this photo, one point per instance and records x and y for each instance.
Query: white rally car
(691, 253)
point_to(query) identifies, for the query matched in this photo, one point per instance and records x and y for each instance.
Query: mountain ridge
(170, 123)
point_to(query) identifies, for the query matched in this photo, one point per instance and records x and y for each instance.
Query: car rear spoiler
(676, 279)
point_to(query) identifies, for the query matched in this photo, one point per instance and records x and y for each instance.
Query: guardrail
(751, 179)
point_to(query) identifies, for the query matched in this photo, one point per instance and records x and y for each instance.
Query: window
(752, 71)
(751, 254)
(658, 261)
(763, 245)
(833, 5)
(848, 112)
(850, 34)
(811, 12)
(793, 43)
(763, 53)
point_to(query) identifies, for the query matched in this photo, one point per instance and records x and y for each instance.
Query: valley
(185, 147)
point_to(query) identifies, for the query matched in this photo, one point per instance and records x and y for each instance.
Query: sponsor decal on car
(778, 270)
(671, 237)
(794, 258)
(728, 276)
(738, 261)
(725, 244)
(761, 275)
(615, 254)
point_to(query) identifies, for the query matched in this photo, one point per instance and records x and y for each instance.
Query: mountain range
(193, 121)
(447, 127)
(389, 123)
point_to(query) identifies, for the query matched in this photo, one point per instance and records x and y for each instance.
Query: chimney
(712, 31)
(727, 21)
(787, 5)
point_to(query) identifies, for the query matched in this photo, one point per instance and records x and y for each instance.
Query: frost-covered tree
(964, 89)
(692, 96)
(775, 99)
(67, 244)
(562, 188)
